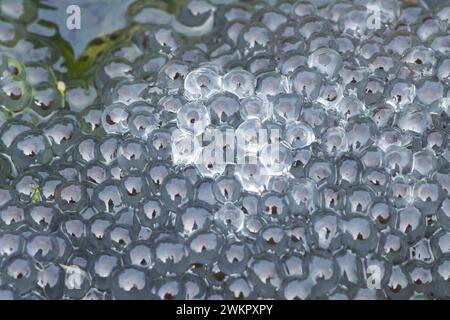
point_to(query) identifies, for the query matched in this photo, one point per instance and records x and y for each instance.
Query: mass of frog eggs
(100, 198)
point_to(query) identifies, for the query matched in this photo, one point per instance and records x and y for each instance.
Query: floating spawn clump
(228, 149)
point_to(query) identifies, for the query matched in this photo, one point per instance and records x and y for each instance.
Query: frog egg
(444, 212)
(261, 63)
(159, 144)
(303, 9)
(51, 280)
(291, 61)
(130, 283)
(194, 218)
(440, 243)
(229, 218)
(377, 179)
(226, 189)
(430, 91)
(90, 120)
(251, 173)
(239, 82)
(306, 83)
(276, 158)
(320, 172)
(435, 140)
(325, 231)
(224, 109)
(350, 107)
(108, 198)
(351, 269)
(398, 285)
(120, 236)
(253, 108)
(324, 274)
(113, 68)
(424, 163)
(303, 196)
(349, 171)
(398, 159)
(86, 150)
(238, 287)
(286, 107)
(12, 216)
(75, 230)
(326, 61)
(273, 206)
(295, 289)
(204, 247)
(134, 188)
(421, 278)
(358, 199)
(234, 257)
(170, 255)
(41, 247)
(31, 147)
(414, 120)
(193, 117)
(176, 191)
(299, 160)
(184, 147)
(428, 28)
(148, 66)
(97, 235)
(132, 153)
(253, 38)
(202, 83)
(15, 94)
(263, 274)
(26, 186)
(102, 266)
(271, 18)
(381, 212)
(11, 244)
(71, 196)
(20, 272)
(194, 287)
(62, 134)
(440, 43)
(11, 129)
(411, 222)
(173, 74)
(331, 197)
(334, 141)
(421, 60)
(427, 195)
(46, 100)
(402, 93)
(270, 84)
(272, 238)
(44, 218)
(441, 274)
(156, 173)
(114, 118)
(95, 173)
(354, 21)
(393, 246)
(141, 124)
(169, 288)
(249, 131)
(330, 94)
(360, 236)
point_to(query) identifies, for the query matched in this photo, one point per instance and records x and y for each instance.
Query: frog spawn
(130, 192)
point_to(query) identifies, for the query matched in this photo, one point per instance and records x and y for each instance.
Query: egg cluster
(103, 197)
